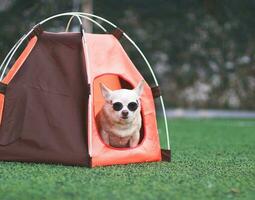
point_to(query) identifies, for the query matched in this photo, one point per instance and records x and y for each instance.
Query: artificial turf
(212, 159)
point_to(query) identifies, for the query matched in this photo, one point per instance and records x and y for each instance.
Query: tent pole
(93, 21)
(9, 53)
(13, 52)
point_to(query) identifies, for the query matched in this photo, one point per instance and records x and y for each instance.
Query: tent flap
(107, 57)
(44, 112)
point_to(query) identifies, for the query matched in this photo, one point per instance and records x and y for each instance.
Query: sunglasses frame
(128, 106)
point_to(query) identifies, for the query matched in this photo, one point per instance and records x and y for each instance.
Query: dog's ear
(106, 92)
(139, 88)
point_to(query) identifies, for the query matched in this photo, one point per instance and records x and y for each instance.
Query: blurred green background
(201, 50)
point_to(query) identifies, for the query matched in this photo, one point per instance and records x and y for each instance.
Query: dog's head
(122, 105)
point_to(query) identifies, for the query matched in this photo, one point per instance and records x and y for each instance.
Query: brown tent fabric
(45, 108)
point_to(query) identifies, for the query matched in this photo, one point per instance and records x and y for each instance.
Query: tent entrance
(113, 82)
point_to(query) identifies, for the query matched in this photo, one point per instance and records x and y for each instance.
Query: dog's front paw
(105, 137)
(134, 140)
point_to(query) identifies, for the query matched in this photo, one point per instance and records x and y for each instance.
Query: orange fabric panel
(107, 56)
(14, 69)
(1, 106)
(111, 81)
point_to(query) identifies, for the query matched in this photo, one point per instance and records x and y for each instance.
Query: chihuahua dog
(120, 118)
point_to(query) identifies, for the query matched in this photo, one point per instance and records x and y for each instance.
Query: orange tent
(50, 98)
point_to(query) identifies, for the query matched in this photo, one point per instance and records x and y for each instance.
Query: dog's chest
(122, 131)
(119, 142)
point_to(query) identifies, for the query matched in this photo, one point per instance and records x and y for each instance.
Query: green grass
(212, 159)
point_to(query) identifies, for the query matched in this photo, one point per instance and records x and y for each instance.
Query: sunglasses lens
(132, 106)
(117, 106)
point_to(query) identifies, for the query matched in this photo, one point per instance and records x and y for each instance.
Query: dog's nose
(124, 113)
